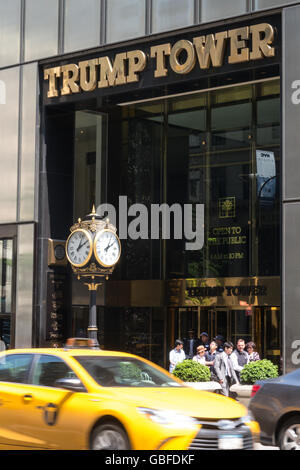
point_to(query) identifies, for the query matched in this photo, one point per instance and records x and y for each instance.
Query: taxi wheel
(289, 436)
(109, 436)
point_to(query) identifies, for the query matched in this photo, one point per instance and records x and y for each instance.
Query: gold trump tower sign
(245, 44)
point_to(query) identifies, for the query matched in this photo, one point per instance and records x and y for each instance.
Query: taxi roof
(66, 351)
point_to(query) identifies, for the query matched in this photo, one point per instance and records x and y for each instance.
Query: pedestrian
(224, 369)
(190, 344)
(204, 340)
(2, 345)
(176, 355)
(253, 355)
(210, 357)
(200, 356)
(220, 340)
(240, 357)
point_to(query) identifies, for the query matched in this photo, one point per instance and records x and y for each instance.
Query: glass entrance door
(218, 322)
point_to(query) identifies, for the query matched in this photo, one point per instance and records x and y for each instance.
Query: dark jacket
(186, 347)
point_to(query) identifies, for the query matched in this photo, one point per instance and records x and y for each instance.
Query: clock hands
(109, 244)
(81, 244)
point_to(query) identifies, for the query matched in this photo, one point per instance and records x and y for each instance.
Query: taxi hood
(185, 400)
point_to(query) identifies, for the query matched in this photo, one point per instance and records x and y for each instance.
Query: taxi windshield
(124, 372)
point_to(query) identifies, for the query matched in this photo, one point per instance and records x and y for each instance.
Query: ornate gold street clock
(93, 249)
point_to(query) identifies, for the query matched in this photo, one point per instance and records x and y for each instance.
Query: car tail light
(255, 389)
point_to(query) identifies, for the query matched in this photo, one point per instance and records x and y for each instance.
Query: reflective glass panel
(217, 152)
(10, 32)
(258, 4)
(125, 19)
(82, 24)
(215, 9)
(41, 28)
(89, 161)
(28, 142)
(125, 372)
(6, 265)
(15, 368)
(139, 181)
(23, 332)
(48, 369)
(171, 14)
(9, 130)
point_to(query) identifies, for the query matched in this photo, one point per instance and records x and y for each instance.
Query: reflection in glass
(89, 162)
(125, 19)
(171, 14)
(6, 276)
(25, 264)
(6, 262)
(206, 149)
(28, 142)
(241, 325)
(214, 9)
(259, 4)
(82, 24)
(118, 371)
(10, 32)
(140, 181)
(41, 28)
(9, 130)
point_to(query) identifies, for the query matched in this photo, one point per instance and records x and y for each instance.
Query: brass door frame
(269, 352)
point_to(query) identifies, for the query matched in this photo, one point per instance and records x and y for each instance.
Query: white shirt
(200, 359)
(175, 358)
(234, 360)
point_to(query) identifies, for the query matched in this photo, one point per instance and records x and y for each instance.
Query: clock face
(79, 247)
(107, 248)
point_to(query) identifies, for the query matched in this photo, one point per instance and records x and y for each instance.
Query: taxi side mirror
(74, 385)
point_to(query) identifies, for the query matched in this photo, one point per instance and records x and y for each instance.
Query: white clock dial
(107, 248)
(79, 247)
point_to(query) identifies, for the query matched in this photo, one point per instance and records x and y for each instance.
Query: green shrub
(258, 370)
(192, 371)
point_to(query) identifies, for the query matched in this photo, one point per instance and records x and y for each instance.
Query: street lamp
(93, 249)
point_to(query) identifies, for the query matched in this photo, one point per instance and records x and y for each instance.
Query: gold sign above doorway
(208, 51)
(230, 292)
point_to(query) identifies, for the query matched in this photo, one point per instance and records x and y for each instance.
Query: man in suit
(240, 357)
(190, 344)
(224, 369)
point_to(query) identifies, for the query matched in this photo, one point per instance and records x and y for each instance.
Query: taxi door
(14, 370)
(54, 415)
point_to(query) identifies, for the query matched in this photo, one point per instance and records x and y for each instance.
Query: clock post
(93, 249)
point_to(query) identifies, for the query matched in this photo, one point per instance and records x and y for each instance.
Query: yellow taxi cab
(85, 398)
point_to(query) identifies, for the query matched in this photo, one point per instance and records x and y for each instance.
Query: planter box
(243, 393)
(207, 386)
